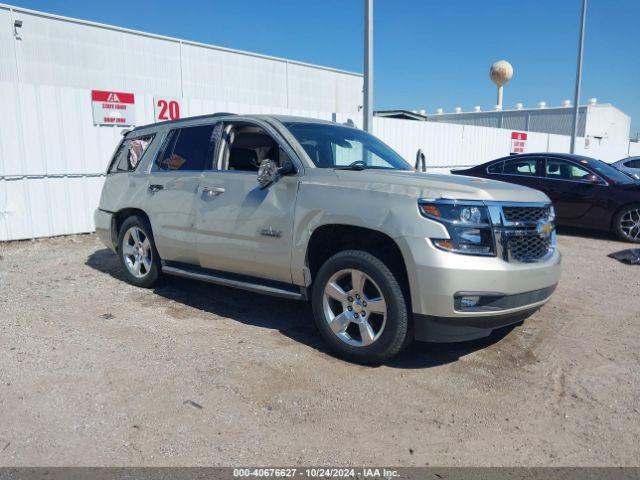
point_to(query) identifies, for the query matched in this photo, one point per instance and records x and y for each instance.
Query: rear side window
(129, 154)
(187, 149)
(496, 167)
(526, 166)
(632, 164)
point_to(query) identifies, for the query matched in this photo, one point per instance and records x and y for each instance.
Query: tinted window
(632, 164)
(496, 167)
(189, 148)
(610, 173)
(563, 170)
(524, 166)
(331, 146)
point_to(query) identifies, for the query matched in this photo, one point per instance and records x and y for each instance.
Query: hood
(428, 185)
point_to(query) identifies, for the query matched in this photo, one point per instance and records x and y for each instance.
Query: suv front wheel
(137, 252)
(360, 308)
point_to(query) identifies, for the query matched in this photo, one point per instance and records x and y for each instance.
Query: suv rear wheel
(137, 252)
(626, 223)
(359, 307)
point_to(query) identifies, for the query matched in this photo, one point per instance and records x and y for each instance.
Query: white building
(53, 150)
(598, 121)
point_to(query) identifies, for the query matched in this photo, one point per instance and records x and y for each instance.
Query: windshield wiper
(357, 167)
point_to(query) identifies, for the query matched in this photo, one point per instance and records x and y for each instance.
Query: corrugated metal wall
(544, 120)
(52, 157)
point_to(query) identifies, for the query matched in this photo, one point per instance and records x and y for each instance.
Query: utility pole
(368, 66)
(576, 98)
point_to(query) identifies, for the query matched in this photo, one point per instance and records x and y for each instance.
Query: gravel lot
(94, 371)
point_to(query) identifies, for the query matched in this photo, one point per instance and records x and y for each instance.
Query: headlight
(468, 225)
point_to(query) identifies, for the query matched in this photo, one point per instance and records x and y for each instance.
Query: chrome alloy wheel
(137, 253)
(354, 307)
(630, 224)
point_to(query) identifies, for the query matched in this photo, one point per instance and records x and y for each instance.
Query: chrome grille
(521, 231)
(528, 247)
(525, 214)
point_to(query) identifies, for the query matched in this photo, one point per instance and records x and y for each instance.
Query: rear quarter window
(495, 168)
(130, 153)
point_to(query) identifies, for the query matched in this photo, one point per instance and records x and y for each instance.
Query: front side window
(563, 170)
(337, 146)
(612, 174)
(129, 154)
(526, 166)
(247, 146)
(188, 149)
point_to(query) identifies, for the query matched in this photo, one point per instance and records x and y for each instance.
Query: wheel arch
(328, 239)
(120, 216)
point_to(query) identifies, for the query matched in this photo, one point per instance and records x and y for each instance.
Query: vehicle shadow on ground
(291, 318)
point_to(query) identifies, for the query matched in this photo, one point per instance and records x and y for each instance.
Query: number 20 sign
(166, 109)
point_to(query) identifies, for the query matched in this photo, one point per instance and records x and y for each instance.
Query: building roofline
(409, 113)
(520, 110)
(106, 26)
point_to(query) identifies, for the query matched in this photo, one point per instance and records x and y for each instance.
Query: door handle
(153, 188)
(212, 191)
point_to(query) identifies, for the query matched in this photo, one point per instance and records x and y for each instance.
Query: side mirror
(592, 179)
(421, 161)
(269, 173)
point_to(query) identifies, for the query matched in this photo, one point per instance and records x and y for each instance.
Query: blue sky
(429, 53)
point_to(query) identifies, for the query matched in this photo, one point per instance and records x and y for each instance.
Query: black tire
(617, 227)
(394, 336)
(151, 276)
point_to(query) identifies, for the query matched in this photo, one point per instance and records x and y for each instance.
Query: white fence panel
(44, 207)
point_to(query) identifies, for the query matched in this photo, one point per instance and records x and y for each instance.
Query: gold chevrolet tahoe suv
(314, 210)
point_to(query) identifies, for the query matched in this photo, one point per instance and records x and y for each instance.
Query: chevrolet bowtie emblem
(544, 229)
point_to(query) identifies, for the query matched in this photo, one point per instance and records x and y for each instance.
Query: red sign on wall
(113, 108)
(166, 109)
(518, 142)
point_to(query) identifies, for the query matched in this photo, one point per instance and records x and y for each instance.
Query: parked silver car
(313, 210)
(630, 165)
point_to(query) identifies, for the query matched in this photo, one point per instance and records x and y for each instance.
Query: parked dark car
(585, 192)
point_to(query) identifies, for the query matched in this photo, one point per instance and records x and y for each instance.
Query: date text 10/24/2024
(316, 472)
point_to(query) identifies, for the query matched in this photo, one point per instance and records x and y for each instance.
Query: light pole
(576, 98)
(368, 66)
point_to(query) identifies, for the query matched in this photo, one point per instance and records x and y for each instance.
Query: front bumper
(510, 291)
(104, 221)
(428, 328)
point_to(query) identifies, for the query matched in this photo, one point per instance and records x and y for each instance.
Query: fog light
(469, 301)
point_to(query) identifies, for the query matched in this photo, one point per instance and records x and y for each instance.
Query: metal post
(368, 66)
(576, 98)
(499, 100)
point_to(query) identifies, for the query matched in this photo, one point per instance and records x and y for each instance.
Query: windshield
(336, 146)
(612, 174)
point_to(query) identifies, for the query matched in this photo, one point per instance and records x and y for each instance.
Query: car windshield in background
(612, 173)
(336, 146)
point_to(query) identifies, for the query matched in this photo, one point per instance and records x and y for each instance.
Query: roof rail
(197, 117)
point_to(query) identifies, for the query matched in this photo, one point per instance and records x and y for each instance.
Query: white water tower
(500, 72)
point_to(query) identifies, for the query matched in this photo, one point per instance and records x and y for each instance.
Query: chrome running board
(229, 282)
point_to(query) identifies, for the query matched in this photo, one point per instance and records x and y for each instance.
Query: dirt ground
(94, 371)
